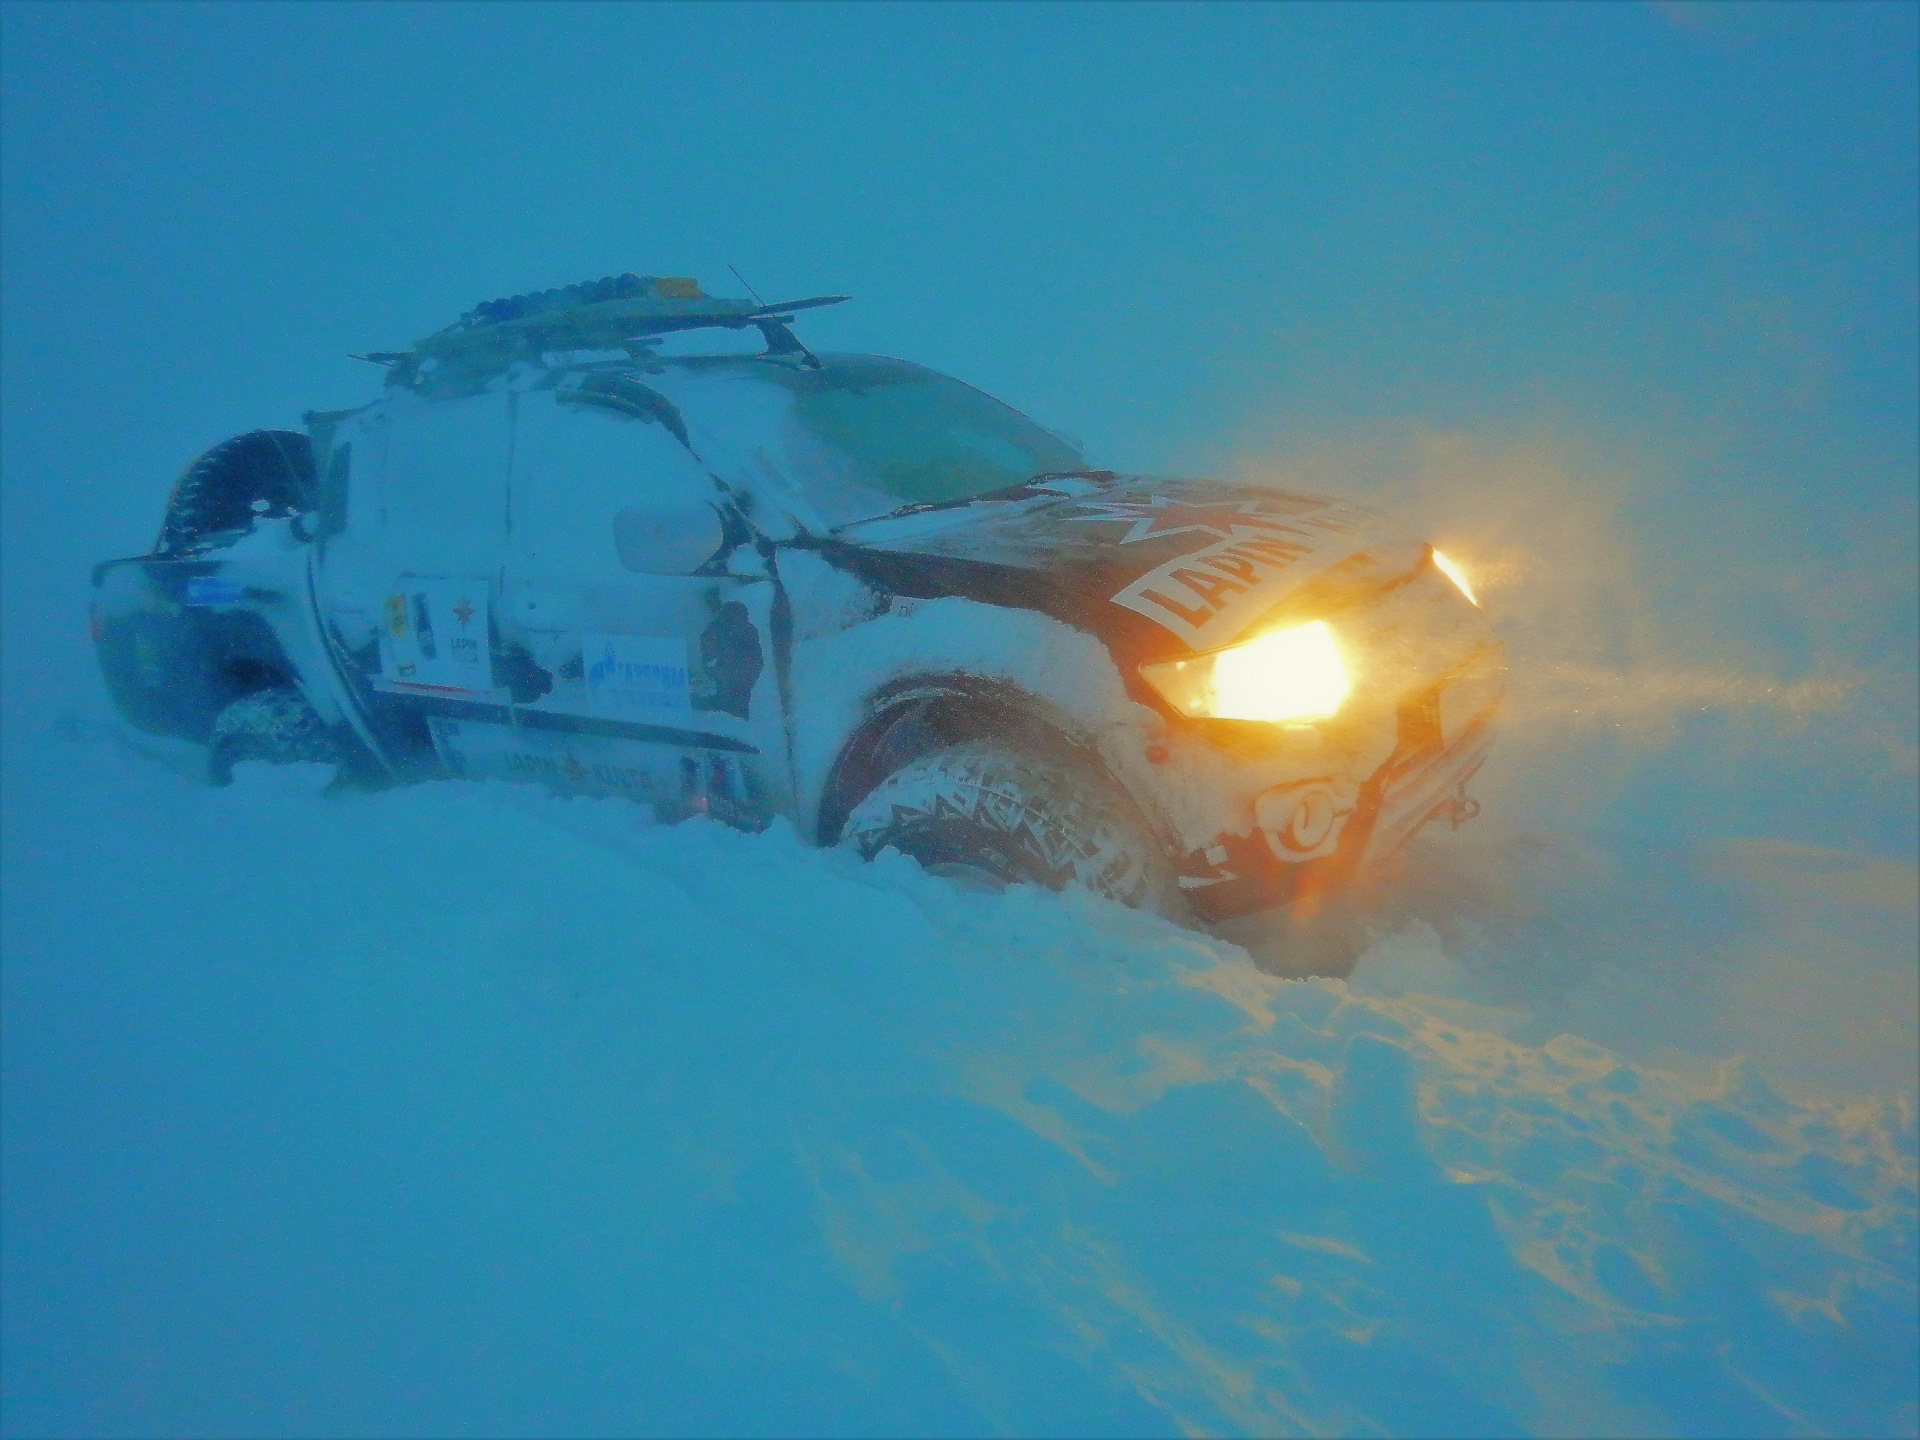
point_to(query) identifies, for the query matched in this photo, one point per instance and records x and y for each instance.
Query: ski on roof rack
(620, 312)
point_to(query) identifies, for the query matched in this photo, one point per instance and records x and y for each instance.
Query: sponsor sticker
(635, 675)
(212, 590)
(576, 763)
(1159, 516)
(434, 634)
(1207, 596)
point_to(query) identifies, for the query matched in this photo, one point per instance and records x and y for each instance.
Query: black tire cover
(217, 492)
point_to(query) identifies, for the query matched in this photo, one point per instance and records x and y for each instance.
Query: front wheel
(996, 815)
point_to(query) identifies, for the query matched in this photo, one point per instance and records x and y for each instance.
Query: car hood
(1159, 566)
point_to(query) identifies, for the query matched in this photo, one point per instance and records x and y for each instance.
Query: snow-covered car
(842, 589)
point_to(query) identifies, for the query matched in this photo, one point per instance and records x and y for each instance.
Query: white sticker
(587, 764)
(635, 675)
(1208, 596)
(434, 634)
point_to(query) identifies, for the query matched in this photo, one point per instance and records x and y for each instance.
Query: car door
(628, 673)
(407, 574)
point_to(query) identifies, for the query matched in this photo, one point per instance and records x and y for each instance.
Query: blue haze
(1683, 235)
(1653, 268)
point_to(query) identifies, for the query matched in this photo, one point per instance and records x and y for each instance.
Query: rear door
(656, 687)
(408, 579)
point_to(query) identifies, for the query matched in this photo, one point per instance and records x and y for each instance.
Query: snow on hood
(1163, 566)
(1172, 564)
(461, 1108)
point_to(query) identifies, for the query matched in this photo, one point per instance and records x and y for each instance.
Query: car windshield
(909, 435)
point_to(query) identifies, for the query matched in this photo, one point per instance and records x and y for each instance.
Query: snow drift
(464, 1109)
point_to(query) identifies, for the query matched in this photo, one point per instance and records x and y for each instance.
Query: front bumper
(1443, 735)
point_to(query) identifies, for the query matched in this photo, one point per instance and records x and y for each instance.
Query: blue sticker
(634, 674)
(212, 590)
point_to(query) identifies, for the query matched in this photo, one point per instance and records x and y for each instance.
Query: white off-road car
(843, 589)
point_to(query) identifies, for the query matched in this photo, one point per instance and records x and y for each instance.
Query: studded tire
(988, 812)
(263, 473)
(275, 724)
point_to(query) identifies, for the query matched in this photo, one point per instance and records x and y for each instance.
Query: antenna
(750, 290)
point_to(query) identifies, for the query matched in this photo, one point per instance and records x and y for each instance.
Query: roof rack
(620, 312)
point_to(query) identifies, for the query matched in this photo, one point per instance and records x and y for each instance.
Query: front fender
(961, 668)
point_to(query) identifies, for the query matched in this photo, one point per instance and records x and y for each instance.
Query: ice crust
(463, 1109)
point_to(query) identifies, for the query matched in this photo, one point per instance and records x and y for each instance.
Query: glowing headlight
(1291, 674)
(1454, 573)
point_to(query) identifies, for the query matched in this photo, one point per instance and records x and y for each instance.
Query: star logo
(1160, 516)
(463, 612)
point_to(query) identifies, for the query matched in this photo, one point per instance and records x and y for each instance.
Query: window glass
(576, 466)
(860, 437)
(919, 436)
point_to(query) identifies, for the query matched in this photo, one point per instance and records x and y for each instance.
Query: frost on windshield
(920, 437)
(860, 437)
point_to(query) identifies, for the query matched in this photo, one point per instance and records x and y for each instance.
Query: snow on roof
(622, 312)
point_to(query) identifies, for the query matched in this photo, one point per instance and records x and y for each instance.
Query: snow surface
(463, 1109)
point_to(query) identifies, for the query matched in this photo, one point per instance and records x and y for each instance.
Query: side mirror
(669, 538)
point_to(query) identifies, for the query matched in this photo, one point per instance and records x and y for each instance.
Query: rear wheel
(274, 724)
(988, 814)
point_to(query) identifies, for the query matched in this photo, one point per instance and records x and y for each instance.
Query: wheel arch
(914, 715)
(171, 667)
